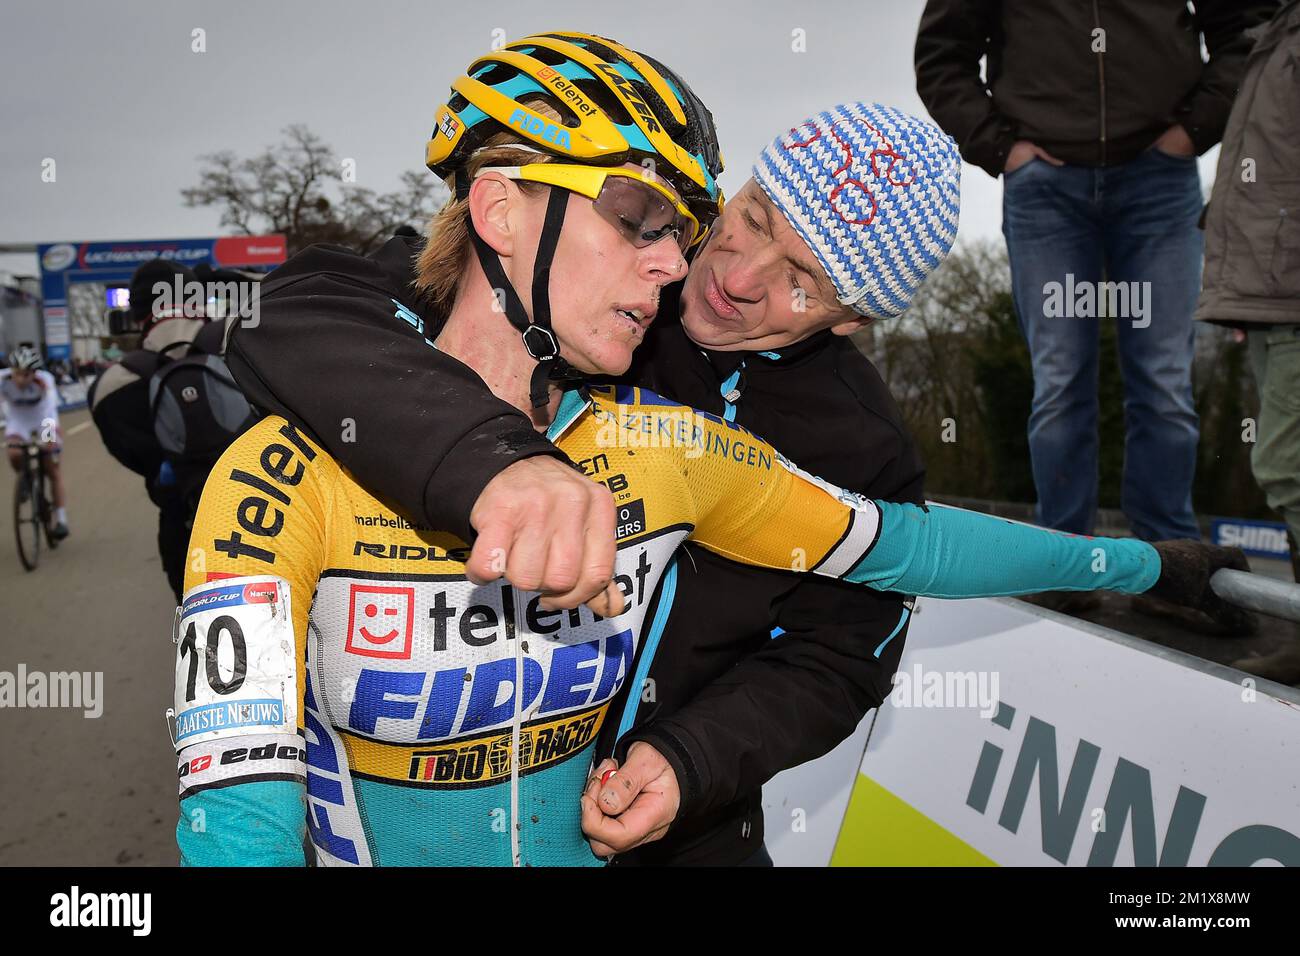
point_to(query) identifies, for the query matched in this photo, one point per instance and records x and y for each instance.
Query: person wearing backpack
(168, 409)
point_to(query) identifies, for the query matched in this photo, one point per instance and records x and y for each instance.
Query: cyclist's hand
(636, 805)
(544, 527)
(1185, 570)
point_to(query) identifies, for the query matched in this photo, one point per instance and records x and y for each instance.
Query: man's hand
(635, 805)
(545, 527)
(1175, 142)
(1185, 570)
(1023, 151)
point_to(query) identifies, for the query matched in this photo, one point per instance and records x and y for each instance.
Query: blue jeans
(1068, 228)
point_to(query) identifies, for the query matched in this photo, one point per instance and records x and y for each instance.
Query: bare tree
(927, 357)
(288, 188)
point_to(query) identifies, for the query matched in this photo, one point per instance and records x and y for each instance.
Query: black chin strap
(539, 339)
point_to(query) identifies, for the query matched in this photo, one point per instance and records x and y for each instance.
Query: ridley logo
(381, 621)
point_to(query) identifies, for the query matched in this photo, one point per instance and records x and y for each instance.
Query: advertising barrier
(1016, 736)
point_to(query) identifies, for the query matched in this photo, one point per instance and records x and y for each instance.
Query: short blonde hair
(444, 261)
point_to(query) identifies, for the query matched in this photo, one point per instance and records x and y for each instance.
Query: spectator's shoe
(59, 531)
(1065, 602)
(1187, 617)
(1283, 665)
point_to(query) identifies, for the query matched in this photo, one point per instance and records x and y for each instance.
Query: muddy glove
(1185, 569)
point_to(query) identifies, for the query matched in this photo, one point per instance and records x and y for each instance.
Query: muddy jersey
(336, 669)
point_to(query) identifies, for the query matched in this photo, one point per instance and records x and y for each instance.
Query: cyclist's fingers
(610, 602)
(592, 820)
(599, 542)
(594, 551)
(563, 559)
(490, 554)
(526, 562)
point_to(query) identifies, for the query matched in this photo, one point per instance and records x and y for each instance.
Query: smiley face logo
(372, 610)
(380, 621)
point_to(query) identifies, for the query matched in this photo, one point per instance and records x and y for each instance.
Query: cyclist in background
(30, 401)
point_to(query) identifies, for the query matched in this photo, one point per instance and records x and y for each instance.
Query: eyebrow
(816, 273)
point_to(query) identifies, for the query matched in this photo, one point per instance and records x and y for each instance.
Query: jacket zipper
(1101, 82)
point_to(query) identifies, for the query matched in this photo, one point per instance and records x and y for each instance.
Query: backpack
(198, 410)
(195, 410)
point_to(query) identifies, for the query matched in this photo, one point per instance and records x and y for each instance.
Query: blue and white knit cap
(876, 195)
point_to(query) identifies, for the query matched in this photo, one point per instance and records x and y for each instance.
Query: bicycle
(33, 506)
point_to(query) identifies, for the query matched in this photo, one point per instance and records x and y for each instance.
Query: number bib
(235, 672)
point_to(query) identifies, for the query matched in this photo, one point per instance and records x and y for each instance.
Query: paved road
(76, 790)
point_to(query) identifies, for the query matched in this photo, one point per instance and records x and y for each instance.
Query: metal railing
(1255, 592)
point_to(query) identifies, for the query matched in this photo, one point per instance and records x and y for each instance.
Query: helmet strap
(539, 339)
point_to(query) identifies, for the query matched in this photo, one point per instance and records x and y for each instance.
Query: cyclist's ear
(495, 210)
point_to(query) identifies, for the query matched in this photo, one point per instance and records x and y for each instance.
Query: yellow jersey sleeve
(755, 506)
(264, 512)
(737, 494)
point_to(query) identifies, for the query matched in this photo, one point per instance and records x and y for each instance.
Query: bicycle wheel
(27, 522)
(46, 510)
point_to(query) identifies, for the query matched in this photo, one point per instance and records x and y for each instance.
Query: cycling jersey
(32, 408)
(351, 680)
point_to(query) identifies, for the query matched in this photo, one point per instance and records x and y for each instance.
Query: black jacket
(1093, 82)
(732, 705)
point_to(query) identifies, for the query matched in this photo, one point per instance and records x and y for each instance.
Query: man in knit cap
(743, 672)
(846, 215)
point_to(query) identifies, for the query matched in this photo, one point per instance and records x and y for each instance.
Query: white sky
(113, 93)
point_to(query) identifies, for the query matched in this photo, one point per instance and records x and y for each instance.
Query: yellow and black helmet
(616, 106)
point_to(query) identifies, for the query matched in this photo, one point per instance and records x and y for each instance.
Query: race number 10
(235, 661)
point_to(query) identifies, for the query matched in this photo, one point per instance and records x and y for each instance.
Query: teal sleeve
(260, 823)
(952, 553)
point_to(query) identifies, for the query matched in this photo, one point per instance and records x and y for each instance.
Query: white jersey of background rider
(27, 409)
